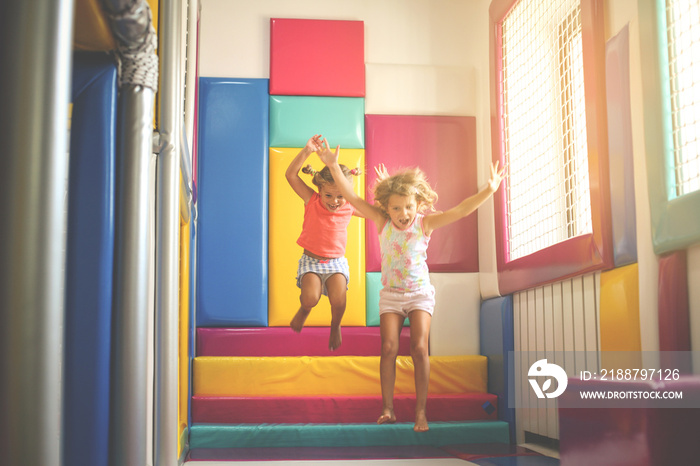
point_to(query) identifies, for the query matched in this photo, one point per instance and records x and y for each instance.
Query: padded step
(338, 409)
(340, 375)
(282, 341)
(498, 453)
(317, 453)
(345, 435)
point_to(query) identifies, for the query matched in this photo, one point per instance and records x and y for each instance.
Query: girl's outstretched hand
(382, 173)
(314, 144)
(496, 176)
(325, 154)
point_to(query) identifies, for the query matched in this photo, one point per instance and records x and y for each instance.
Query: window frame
(675, 223)
(584, 253)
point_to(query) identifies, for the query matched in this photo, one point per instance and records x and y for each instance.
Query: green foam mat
(345, 435)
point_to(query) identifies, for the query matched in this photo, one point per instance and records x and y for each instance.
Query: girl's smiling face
(331, 197)
(401, 210)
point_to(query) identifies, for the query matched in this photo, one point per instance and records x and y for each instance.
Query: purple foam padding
(339, 409)
(316, 453)
(233, 171)
(674, 307)
(632, 435)
(89, 261)
(282, 341)
(617, 81)
(317, 57)
(444, 147)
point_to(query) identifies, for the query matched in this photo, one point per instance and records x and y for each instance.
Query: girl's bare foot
(421, 424)
(298, 320)
(336, 338)
(387, 417)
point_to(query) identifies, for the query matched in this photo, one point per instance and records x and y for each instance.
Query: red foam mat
(316, 453)
(282, 341)
(339, 409)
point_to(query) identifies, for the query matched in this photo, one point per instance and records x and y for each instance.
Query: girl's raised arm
(467, 206)
(302, 189)
(365, 208)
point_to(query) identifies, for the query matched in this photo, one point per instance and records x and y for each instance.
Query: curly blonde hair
(407, 182)
(320, 178)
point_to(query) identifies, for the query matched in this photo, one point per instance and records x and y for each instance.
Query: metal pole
(130, 420)
(129, 417)
(35, 70)
(168, 234)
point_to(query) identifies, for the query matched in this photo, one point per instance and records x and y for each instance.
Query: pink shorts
(404, 303)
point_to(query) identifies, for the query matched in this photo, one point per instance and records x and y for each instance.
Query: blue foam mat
(344, 435)
(496, 341)
(233, 163)
(89, 260)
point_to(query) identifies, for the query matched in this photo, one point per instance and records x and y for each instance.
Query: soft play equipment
(317, 57)
(294, 119)
(620, 335)
(318, 453)
(374, 286)
(282, 341)
(617, 81)
(89, 260)
(443, 407)
(635, 435)
(674, 311)
(233, 202)
(445, 149)
(497, 344)
(286, 218)
(318, 375)
(344, 435)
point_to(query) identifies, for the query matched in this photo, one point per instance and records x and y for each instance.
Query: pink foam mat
(297, 45)
(444, 147)
(282, 341)
(339, 409)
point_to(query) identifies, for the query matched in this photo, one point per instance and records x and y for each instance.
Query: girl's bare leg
(390, 328)
(310, 294)
(336, 285)
(420, 333)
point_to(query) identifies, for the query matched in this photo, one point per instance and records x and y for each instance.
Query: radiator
(557, 322)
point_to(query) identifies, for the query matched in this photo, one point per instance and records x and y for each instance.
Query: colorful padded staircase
(274, 389)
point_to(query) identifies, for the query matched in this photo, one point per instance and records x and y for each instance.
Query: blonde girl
(323, 268)
(405, 219)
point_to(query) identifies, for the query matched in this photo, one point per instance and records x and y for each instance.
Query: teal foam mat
(345, 435)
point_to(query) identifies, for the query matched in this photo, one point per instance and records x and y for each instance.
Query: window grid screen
(683, 29)
(547, 194)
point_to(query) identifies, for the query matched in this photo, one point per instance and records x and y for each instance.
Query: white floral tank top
(404, 254)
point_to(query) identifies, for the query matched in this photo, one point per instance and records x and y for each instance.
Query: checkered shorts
(323, 268)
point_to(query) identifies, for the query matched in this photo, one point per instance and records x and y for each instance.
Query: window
(544, 125)
(683, 36)
(548, 87)
(669, 32)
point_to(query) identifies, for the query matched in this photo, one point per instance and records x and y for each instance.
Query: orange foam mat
(342, 375)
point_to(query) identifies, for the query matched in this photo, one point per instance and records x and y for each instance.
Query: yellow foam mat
(341, 375)
(620, 336)
(183, 343)
(286, 217)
